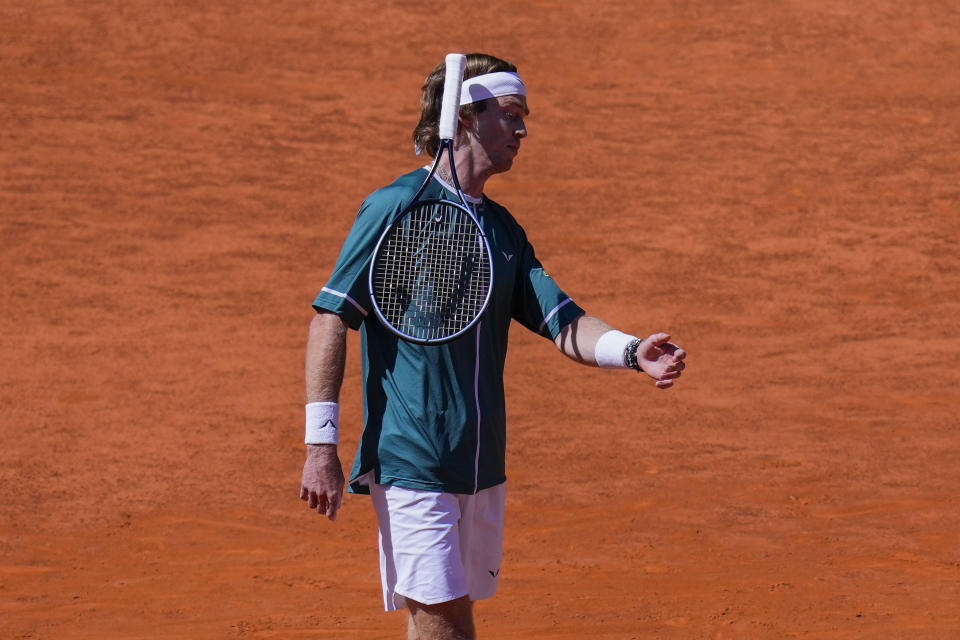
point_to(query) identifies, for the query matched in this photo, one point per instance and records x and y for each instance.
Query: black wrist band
(630, 354)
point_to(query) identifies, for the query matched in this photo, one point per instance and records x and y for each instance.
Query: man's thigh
(419, 546)
(452, 620)
(436, 548)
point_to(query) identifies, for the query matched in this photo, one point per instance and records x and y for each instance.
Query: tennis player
(431, 454)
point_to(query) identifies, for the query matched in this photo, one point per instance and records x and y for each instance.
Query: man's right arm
(323, 481)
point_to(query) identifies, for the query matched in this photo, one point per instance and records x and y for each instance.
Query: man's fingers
(667, 358)
(676, 352)
(333, 505)
(304, 493)
(658, 338)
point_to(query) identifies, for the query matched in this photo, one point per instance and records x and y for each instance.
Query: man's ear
(466, 122)
(465, 126)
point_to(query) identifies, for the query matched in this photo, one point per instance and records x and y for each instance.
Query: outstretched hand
(661, 359)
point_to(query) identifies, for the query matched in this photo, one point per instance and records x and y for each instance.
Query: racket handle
(450, 108)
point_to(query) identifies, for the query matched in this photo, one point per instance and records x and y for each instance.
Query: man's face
(496, 132)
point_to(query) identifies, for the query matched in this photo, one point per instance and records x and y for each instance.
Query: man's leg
(422, 537)
(419, 546)
(451, 620)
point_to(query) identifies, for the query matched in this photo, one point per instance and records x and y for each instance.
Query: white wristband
(322, 421)
(610, 348)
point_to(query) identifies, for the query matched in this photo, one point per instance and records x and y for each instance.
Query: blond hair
(425, 136)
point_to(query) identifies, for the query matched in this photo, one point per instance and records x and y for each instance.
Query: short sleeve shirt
(434, 415)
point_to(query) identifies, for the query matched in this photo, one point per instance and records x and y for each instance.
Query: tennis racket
(431, 274)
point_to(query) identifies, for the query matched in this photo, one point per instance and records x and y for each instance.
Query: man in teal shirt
(434, 435)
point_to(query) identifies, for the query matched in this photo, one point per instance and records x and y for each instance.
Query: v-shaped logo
(506, 255)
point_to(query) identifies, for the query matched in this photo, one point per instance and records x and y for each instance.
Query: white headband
(491, 85)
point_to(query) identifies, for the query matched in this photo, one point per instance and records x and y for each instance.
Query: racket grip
(450, 107)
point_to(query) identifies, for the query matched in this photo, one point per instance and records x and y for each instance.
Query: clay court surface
(775, 183)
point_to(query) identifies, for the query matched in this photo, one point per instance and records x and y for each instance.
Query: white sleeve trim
(552, 313)
(345, 297)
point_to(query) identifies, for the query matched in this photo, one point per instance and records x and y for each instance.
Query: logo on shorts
(495, 573)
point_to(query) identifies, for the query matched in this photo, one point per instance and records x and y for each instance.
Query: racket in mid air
(431, 274)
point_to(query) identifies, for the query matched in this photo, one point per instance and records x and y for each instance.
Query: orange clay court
(777, 184)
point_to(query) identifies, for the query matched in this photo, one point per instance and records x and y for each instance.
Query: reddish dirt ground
(777, 184)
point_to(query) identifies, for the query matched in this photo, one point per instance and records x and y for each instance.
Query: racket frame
(447, 130)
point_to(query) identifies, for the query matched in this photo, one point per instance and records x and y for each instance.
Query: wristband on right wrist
(322, 419)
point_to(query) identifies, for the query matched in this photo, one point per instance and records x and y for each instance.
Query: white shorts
(436, 547)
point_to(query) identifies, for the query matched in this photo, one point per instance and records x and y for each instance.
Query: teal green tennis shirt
(434, 416)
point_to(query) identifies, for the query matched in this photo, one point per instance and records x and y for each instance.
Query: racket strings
(432, 274)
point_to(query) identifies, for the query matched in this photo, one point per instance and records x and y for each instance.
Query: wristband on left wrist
(617, 350)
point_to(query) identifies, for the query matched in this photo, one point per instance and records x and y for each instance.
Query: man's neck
(471, 180)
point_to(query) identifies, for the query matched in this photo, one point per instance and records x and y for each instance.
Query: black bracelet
(630, 354)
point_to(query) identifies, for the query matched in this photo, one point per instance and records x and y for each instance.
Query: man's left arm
(593, 342)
